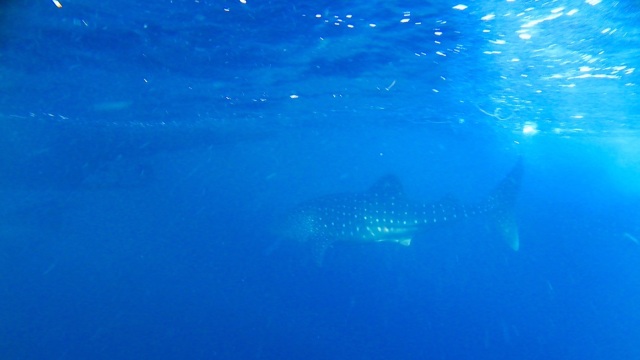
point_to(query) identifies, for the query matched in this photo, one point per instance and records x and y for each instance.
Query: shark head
(299, 226)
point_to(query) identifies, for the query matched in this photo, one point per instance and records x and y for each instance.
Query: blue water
(148, 153)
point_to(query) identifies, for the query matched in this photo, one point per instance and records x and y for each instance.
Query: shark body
(384, 214)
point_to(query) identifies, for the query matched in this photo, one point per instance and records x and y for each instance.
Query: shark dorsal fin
(388, 186)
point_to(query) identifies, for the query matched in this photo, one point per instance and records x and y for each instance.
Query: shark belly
(381, 230)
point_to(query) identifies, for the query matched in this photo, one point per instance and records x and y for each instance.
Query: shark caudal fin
(503, 199)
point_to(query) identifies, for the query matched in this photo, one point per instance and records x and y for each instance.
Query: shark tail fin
(504, 199)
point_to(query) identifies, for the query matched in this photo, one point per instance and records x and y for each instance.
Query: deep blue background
(148, 153)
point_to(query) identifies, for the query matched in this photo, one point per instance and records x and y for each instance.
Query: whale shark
(383, 213)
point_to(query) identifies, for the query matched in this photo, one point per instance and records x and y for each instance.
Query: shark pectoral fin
(503, 201)
(319, 248)
(273, 247)
(508, 228)
(405, 242)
